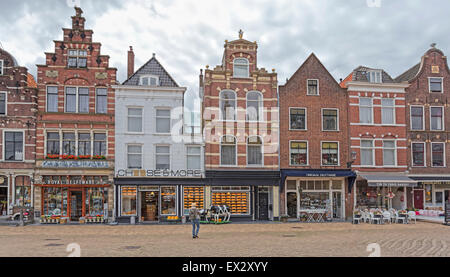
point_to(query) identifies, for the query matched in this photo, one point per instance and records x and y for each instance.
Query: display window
(55, 201)
(23, 191)
(168, 201)
(95, 200)
(128, 201)
(237, 199)
(193, 195)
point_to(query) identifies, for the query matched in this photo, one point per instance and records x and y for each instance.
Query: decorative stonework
(434, 69)
(51, 73)
(101, 75)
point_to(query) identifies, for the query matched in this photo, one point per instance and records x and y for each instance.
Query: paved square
(241, 240)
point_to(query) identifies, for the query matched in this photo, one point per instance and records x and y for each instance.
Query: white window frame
(236, 151)
(57, 96)
(367, 148)
(142, 120)
(121, 200)
(149, 76)
(4, 144)
(443, 155)
(260, 106)
(248, 68)
(96, 104)
(307, 87)
(306, 119)
(443, 119)
(6, 103)
(424, 154)
(142, 154)
(77, 96)
(393, 111)
(160, 117)
(262, 152)
(395, 152)
(371, 108)
(190, 155)
(221, 115)
(429, 84)
(170, 155)
(423, 117)
(337, 120)
(78, 57)
(307, 153)
(2, 67)
(374, 72)
(338, 152)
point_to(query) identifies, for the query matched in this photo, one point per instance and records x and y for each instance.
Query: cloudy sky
(186, 35)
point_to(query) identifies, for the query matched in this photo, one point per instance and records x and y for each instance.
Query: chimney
(130, 62)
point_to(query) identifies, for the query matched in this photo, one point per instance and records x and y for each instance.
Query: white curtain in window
(387, 111)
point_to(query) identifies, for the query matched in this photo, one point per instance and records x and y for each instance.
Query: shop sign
(72, 182)
(393, 185)
(443, 183)
(321, 175)
(75, 164)
(184, 173)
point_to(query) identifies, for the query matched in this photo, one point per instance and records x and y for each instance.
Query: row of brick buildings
(267, 151)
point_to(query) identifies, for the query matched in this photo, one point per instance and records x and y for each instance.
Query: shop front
(382, 191)
(316, 195)
(431, 192)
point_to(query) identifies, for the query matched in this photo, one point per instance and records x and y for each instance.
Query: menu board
(447, 213)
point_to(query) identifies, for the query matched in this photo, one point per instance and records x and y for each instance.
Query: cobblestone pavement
(235, 240)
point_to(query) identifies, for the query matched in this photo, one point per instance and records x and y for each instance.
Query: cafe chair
(398, 218)
(387, 217)
(374, 219)
(412, 216)
(357, 218)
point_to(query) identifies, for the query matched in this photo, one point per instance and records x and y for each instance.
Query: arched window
(254, 151)
(228, 151)
(254, 106)
(227, 105)
(241, 68)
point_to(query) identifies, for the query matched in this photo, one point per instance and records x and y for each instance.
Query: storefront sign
(159, 173)
(75, 164)
(392, 185)
(321, 175)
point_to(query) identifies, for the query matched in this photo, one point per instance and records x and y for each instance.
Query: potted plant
(284, 218)
(303, 217)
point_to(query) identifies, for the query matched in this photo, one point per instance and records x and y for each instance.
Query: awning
(320, 174)
(384, 180)
(437, 180)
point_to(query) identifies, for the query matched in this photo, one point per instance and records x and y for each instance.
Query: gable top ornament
(241, 34)
(433, 45)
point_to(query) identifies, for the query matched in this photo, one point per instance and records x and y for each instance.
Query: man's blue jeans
(195, 222)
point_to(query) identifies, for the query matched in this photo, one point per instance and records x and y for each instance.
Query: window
(77, 58)
(162, 157)
(389, 153)
(134, 156)
(128, 201)
(417, 118)
(84, 144)
(83, 100)
(418, 152)
(1, 67)
(53, 143)
(23, 191)
(193, 157)
(152, 81)
(101, 100)
(71, 99)
(163, 121)
(437, 154)
(299, 153)
(374, 76)
(100, 144)
(254, 106)
(365, 110)
(237, 199)
(77, 100)
(297, 119)
(435, 84)
(313, 87)
(437, 118)
(254, 151)
(168, 201)
(330, 153)
(330, 120)
(228, 150)
(367, 152)
(52, 99)
(135, 120)
(227, 105)
(3, 103)
(388, 111)
(240, 68)
(13, 146)
(69, 144)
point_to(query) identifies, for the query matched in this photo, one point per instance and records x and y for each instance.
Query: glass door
(76, 205)
(291, 200)
(337, 205)
(149, 205)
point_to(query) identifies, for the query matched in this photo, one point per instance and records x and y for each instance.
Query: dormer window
(240, 68)
(1, 67)
(152, 81)
(374, 76)
(77, 59)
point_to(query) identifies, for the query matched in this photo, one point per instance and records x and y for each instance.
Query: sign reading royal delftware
(159, 173)
(74, 164)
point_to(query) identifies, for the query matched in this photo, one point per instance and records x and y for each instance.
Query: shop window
(367, 152)
(389, 153)
(437, 119)
(365, 111)
(297, 119)
(193, 195)
(23, 191)
(303, 185)
(77, 59)
(101, 100)
(3, 103)
(228, 105)
(14, 146)
(439, 200)
(437, 155)
(100, 144)
(95, 200)
(240, 68)
(417, 118)
(162, 121)
(429, 194)
(55, 201)
(135, 120)
(291, 185)
(314, 200)
(299, 153)
(330, 119)
(52, 143)
(313, 87)
(418, 151)
(69, 144)
(134, 156)
(388, 111)
(237, 199)
(435, 84)
(254, 151)
(162, 157)
(228, 151)
(193, 157)
(330, 153)
(336, 185)
(84, 144)
(254, 106)
(168, 201)
(128, 201)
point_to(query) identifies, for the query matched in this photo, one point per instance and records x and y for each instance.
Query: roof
(408, 74)
(152, 67)
(31, 82)
(359, 74)
(15, 63)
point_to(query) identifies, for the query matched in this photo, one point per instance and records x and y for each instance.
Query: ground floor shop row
(15, 190)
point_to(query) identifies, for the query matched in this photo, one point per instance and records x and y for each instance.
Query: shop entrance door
(76, 205)
(292, 204)
(149, 205)
(418, 199)
(447, 197)
(263, 206)
(3, 200)
(337, 205)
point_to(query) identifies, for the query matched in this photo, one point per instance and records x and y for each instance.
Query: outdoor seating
(374, 218)
(365, 216)
(387, 217)
(412, 216)
(402, 218)
(357, 218)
